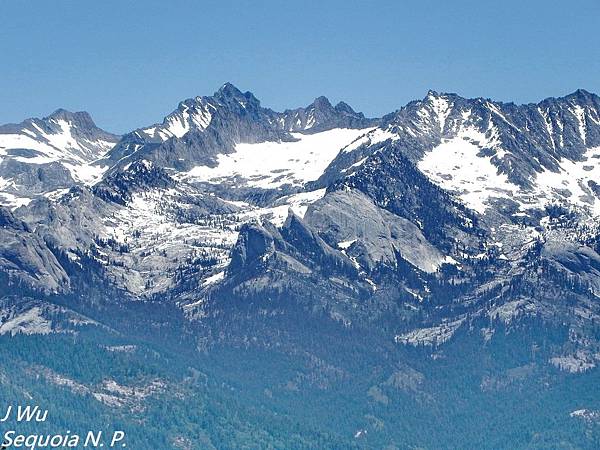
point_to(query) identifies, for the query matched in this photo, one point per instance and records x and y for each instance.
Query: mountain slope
(204, 127)
(442, 260)
(41, 156)
(486, 151)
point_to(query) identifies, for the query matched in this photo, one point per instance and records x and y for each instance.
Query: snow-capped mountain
(321, 115)
(483, 150)
(438, 172)
(46, 156)
(254, 169)
(379, 253)
(203, 128)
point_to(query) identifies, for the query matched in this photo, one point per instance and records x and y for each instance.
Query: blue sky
(130, 62)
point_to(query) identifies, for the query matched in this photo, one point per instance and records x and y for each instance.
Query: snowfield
(270, 165)
(457, 166)
(571, 182)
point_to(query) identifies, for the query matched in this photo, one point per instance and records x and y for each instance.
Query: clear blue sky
(130, 62)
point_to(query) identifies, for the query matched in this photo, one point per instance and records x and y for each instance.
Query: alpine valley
(240, 278)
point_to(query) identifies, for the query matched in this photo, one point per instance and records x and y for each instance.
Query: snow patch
(214, 278)
(456, 165)
(570, 183)
(346, 244)
(270, 165)
(579, 113)
(442, 108)
(371, 137)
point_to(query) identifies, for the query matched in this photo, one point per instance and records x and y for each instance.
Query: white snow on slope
(43, 147)
(455, 165)
(180, 122)
(371, 137)
(214, 278)
(88, 174)
(11, 201)
(278, 213)
(53, 146)
(158, 242)
(579, 112)
(570, 183)
(271, 165)
(442, 108)
(346, 244)
(177, 126)
(458, 165)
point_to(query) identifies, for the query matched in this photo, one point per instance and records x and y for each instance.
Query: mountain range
(342, 281)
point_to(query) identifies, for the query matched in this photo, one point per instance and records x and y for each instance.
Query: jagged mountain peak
(481, 107)
(203, 127)
(228, 89)
(322, 102)
(196, 114)
(345, 108)
(431, 94)
(41, 156)
(580, 95)
(62, 113)
(82, 120)
(321, 115)
(577, 95)
(228, 93)
(529, 154)
(323, 105)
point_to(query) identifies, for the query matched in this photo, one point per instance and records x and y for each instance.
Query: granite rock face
(27, 262)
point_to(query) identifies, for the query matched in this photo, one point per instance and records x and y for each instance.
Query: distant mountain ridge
(428, 160)
(442, 260)
(428, 195)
